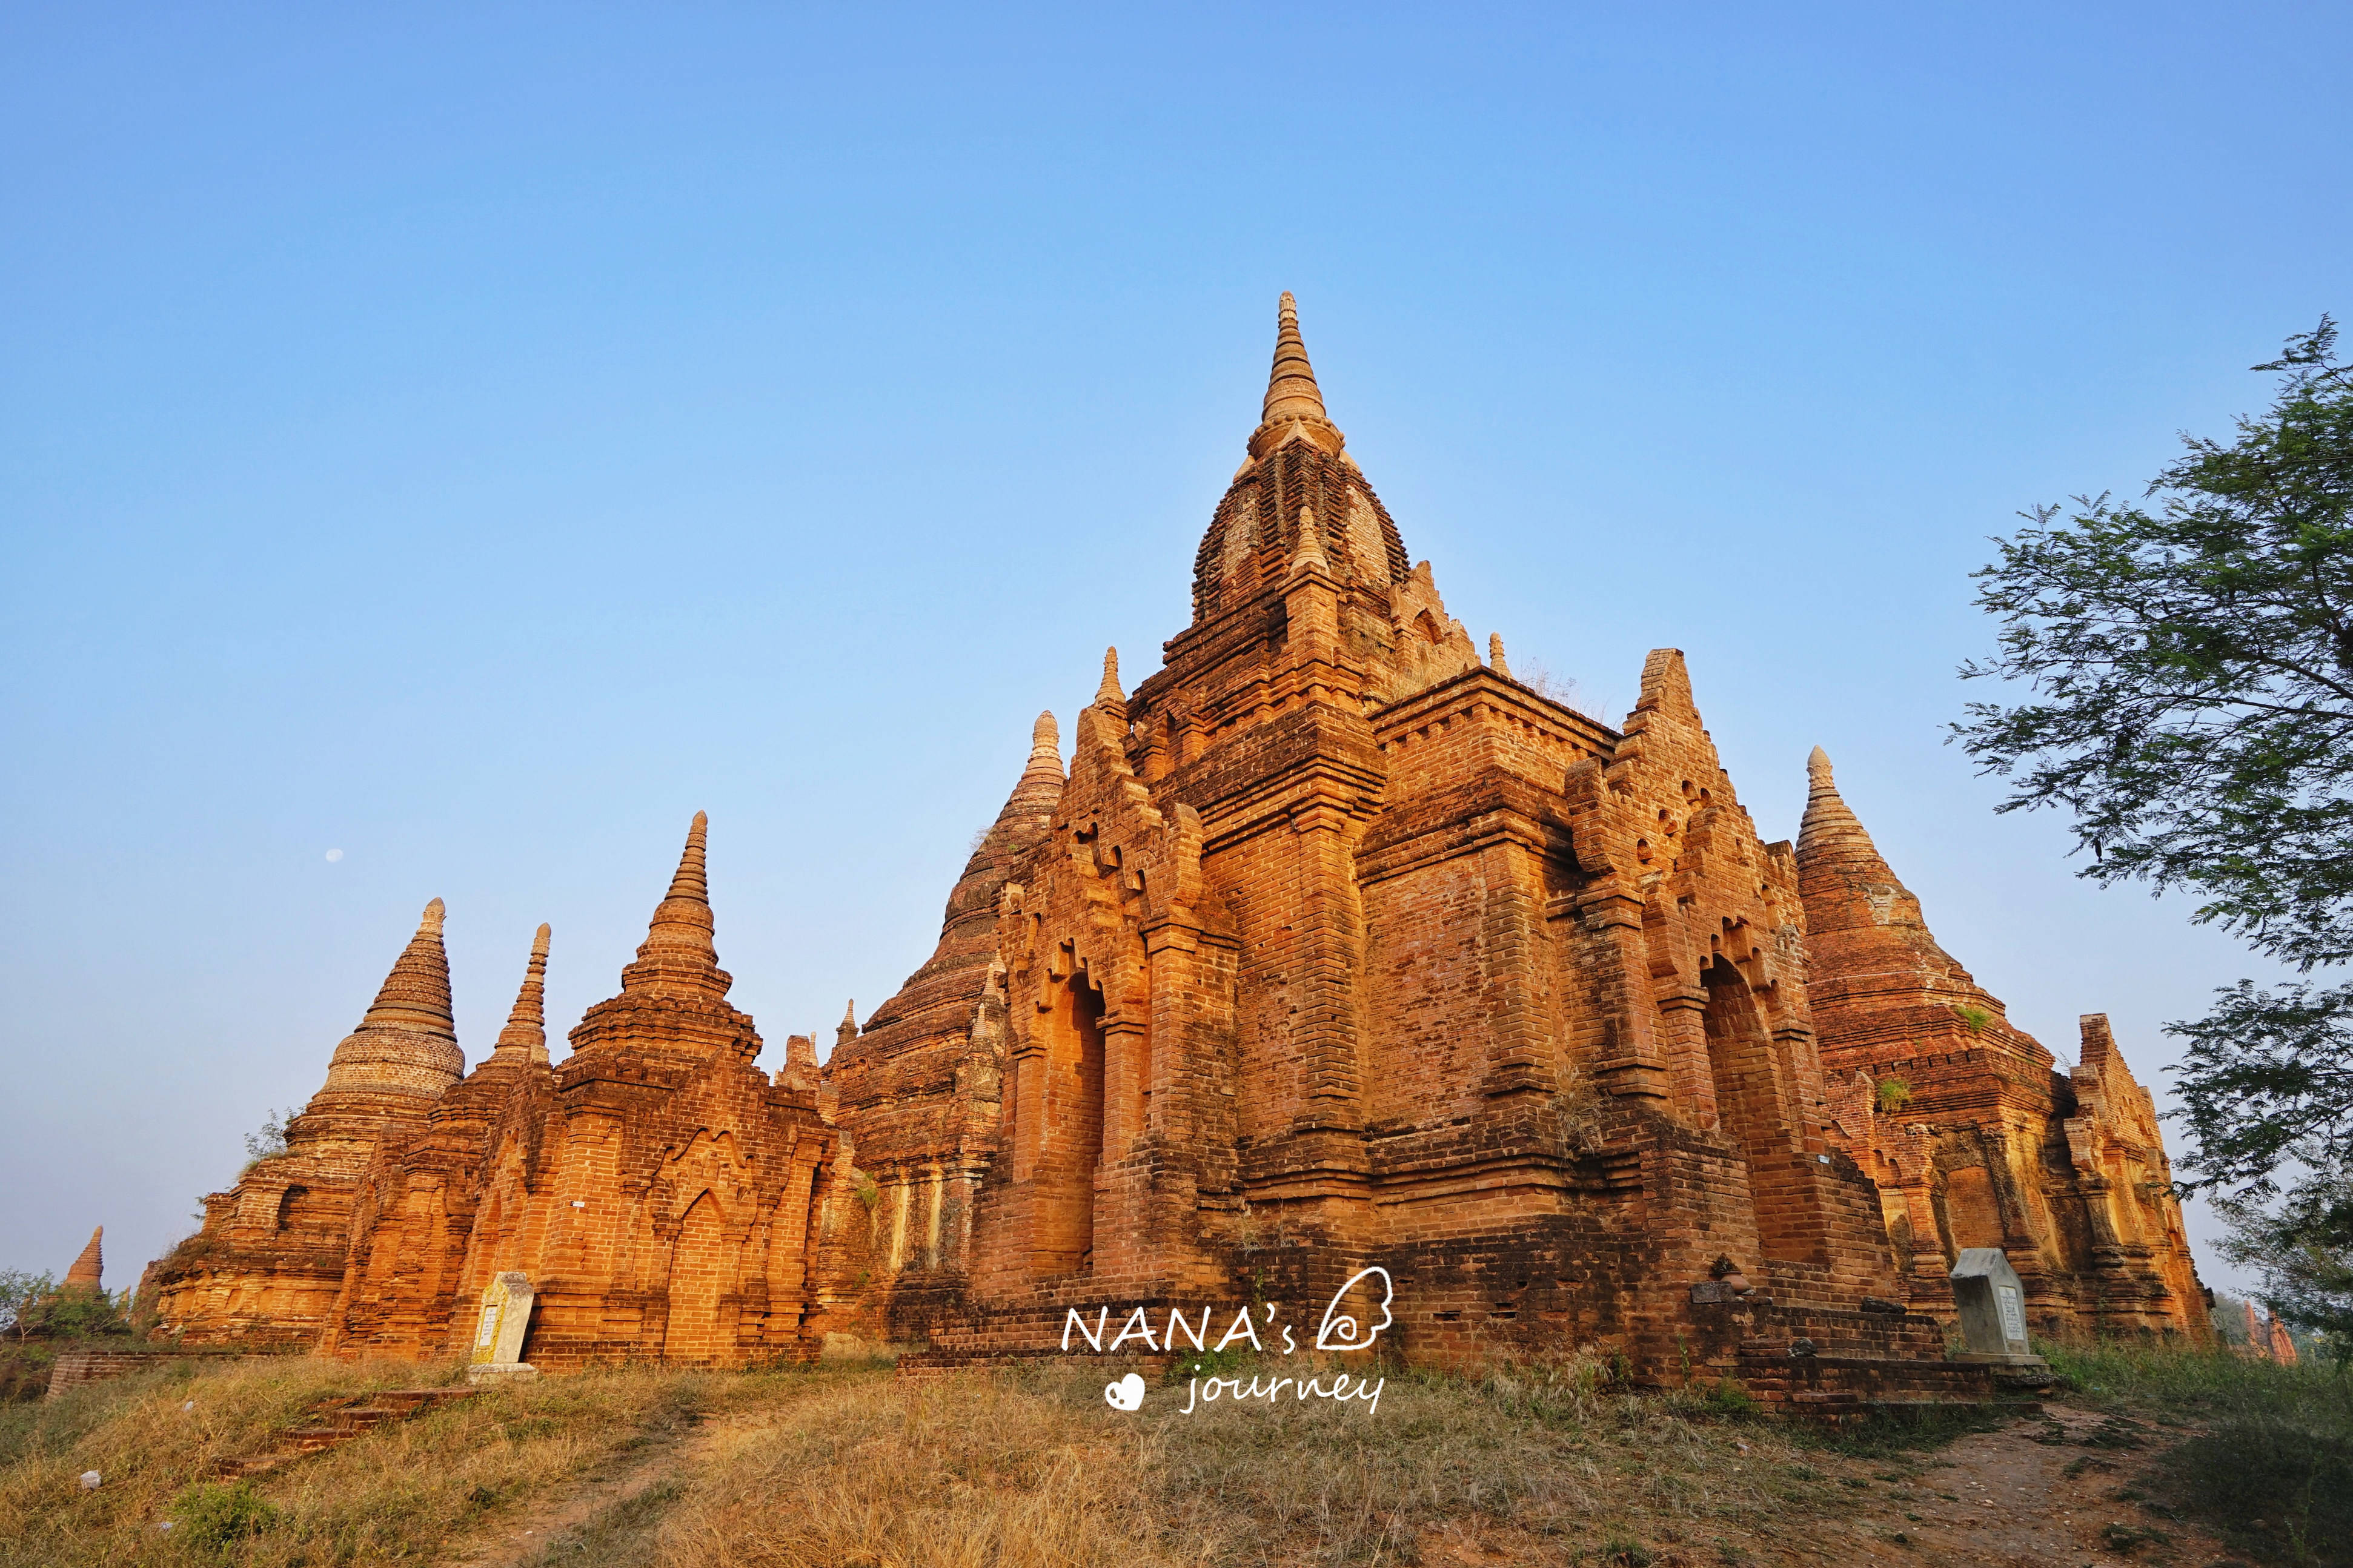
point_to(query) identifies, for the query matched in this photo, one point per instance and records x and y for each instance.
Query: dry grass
(1030, 1469)
(401, 1493)
(961, 1471)
(858, 1470)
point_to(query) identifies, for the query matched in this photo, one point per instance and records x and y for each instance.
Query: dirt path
(607, 1511)
(2034, 1494)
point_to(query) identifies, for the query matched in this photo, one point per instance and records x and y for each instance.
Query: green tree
(2302, 1249)
(2188, 664)
(80, 1312)
(21, 1294)
(36, 1306)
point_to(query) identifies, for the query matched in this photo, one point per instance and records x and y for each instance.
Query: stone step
(331, 1422)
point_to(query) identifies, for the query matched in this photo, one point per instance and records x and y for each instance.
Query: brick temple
(1334, 946)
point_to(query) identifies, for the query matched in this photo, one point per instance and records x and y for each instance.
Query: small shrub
(214, 1518)
(24, 1372)
(1894, 1093)
(1729, 1398)
(2127, 1538)
(1192, 1363)
(1975, 1018)
(271, 1142)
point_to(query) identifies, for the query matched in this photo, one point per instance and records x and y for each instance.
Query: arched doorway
(697, 1278)
(1752, 1100)
(1071, 1145)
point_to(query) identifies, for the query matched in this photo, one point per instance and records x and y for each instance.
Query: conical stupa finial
(1291, 389)
(1496, 655)
(1109, 693)
(847, 1030)
(677, 954)
(406, 1044)
(525, 1036)
(1295, 404)
(694, 878)
(415, 994)
(87, 1269)
(1832, 843)
(1830, 828)
(1044, 770)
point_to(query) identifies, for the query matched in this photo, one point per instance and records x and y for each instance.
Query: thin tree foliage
(2191, 662)
(2188, 668)
(2302, 1252)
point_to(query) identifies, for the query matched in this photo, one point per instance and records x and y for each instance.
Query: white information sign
(2012, 1306)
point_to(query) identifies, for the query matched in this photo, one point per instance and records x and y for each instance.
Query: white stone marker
(1992, 1305)
(499, 1333)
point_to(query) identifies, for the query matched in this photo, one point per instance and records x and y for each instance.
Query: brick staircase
(1860, 1364)
(333, 1421)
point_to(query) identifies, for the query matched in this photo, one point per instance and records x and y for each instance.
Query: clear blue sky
(475, 438)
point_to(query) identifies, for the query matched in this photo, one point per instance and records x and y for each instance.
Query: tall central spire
(678, 956)
(1295, 404)
(1291, 389)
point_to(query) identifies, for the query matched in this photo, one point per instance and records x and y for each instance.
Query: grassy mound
(402, 1493)
(2270, 1466)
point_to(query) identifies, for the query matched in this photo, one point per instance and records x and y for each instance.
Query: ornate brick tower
(675, 1192)
(1339, 947)
(663, 1195)
(268, 1265)
(425, 1242)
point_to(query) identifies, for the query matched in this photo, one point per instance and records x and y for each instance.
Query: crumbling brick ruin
(663, 1190)
(1335, 947)
(87, 1272)
(1974, 1136)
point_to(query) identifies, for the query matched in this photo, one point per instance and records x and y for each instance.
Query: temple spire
(678, 955)
(525, 1036)
(1295, 404)
(1045, 767)
(1495, 658)
(1291, 389)
(1863, 927)
(87, 1269)
(406, 1047)
(1108, 694)
(692, 881)
(415, 996)
(1831, 833)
